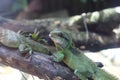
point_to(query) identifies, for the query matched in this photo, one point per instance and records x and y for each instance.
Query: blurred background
(40, 9)
(30, 9)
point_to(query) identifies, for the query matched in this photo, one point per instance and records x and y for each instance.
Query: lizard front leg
(25, 48)
(58, 57)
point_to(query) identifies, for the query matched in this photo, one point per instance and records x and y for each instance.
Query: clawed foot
(99, 64)
(25, 50)
(80, 76)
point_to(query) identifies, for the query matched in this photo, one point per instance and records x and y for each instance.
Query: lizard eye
(62, 36)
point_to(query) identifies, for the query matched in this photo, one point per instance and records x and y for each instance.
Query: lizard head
(61, 39)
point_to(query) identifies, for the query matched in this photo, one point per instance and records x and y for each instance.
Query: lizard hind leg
(25, 49)
(80, 75)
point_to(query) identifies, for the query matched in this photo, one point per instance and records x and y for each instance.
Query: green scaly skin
(83, 67)
(14, 40)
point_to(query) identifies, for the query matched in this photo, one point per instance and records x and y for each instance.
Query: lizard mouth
(55, 39)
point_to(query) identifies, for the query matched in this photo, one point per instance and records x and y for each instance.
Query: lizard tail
(102, 75)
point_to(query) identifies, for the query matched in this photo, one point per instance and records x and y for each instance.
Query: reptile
(12, 39)
(83, 67)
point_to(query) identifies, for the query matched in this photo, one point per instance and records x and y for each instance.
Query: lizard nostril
(50, 35)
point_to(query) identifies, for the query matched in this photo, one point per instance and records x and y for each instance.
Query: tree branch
(38, 64)
(99, 23)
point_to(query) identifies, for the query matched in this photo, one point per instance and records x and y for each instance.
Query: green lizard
(83, 67)
(15, 40)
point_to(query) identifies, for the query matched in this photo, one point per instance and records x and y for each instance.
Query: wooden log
(37, 64)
